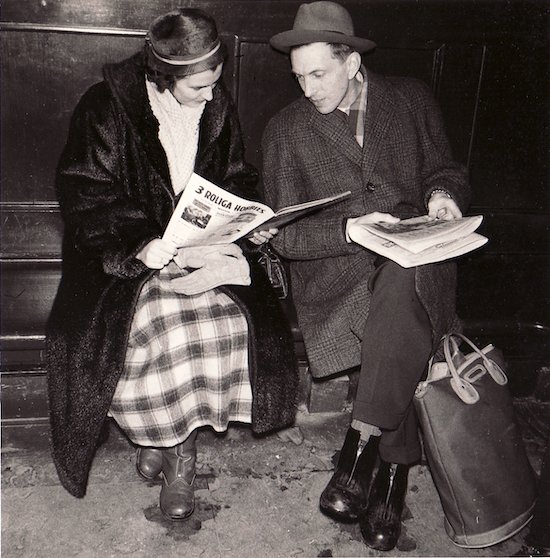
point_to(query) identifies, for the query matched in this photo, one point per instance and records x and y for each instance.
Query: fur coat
(406, 156)
(115, 196)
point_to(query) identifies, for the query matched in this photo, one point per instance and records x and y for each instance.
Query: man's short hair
(339, 50)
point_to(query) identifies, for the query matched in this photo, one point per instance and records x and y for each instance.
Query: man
(383, 139)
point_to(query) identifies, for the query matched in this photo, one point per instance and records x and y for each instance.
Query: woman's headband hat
(321, 22)
(184, 42)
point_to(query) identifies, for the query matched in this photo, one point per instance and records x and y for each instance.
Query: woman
(122, 338)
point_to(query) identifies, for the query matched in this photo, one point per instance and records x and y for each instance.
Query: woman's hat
(184, 42)
(321, 22)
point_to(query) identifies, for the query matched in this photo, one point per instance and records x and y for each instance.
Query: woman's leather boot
(177, 496)
(148, 462)
(381, 523)
(345, 496)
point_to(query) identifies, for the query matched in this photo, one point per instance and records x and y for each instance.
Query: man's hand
(261, 237)
(441, 206)
(157, 253)
(374, 217)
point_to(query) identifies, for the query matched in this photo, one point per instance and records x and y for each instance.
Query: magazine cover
(207, 214)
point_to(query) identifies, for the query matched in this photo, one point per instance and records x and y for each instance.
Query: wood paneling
(509, 164)
(28, 291)
(31, 231)
(24, 396)
(118, 14)
(44, 74)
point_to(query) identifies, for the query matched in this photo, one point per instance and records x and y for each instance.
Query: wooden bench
(489, 73)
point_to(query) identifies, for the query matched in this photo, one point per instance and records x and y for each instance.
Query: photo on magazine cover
(197, 214)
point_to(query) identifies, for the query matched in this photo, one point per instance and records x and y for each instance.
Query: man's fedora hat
(321, 22)
(184, 42)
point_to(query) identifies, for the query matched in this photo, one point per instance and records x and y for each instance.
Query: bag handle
(462, 387)
(494, 370)
(274, 268)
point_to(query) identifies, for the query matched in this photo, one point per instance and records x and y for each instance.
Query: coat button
(370, 186)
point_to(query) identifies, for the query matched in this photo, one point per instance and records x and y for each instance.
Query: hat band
(179, 61)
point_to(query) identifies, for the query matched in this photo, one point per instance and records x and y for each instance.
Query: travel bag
(474, 447)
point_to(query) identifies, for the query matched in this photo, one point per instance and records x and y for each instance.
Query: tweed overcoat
(115, 196)
(406, 156)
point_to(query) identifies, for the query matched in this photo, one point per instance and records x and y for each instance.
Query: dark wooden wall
(487, 63)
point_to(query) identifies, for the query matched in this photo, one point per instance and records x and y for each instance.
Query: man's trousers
(396, 347)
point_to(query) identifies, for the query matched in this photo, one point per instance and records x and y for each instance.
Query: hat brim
(295, 37)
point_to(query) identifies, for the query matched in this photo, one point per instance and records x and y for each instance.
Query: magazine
(438, 240)
(207, 214)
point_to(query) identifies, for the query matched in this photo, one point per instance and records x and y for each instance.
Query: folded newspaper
(420, 241)
(207, 214)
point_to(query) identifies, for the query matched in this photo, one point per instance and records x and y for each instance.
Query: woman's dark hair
(161, 80)
(181, 43)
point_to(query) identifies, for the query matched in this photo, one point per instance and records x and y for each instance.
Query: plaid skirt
(186, 365)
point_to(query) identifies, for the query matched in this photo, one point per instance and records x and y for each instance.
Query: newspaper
(419, 233)
(207, 214)
(420, 241)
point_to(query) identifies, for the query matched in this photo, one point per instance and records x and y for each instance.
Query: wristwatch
(441, 192)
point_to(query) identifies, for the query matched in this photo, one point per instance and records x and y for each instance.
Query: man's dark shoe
(177, 495)
(381, 523)
(148, 462)
(345, 496)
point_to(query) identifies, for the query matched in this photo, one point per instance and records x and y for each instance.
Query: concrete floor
(256, 498)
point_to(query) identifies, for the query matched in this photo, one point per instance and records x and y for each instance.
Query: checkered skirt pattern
(186, 365)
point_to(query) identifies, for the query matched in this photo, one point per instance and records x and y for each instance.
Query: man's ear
(353, 63)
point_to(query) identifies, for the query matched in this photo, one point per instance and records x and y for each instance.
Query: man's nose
(308, 87)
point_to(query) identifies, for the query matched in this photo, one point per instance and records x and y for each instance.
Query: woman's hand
(261, 237)
(157, 253)
(198, 256)
(220, 264)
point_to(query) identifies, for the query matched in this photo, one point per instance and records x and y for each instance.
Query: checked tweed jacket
(115, 195)
(406, 155)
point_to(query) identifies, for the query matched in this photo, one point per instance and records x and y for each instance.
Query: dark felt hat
(184, 42)
(321, 22)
